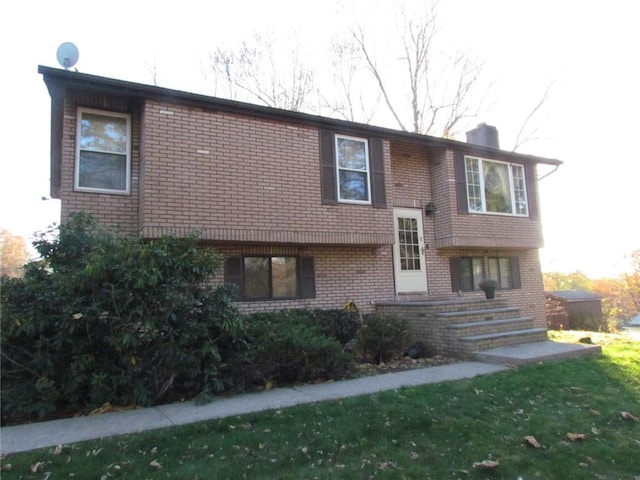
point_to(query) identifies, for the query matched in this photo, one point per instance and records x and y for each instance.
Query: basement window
(271, 277)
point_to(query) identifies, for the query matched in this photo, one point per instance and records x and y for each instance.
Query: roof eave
(70, 79)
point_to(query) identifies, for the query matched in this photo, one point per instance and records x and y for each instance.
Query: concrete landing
(536, 352)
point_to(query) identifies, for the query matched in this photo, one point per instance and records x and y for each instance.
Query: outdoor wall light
(430, 209)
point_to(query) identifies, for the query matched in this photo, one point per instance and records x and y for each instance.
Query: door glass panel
(408, 236)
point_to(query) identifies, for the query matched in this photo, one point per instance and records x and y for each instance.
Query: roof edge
(55, 76)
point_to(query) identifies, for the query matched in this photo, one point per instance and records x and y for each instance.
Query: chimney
(484, 134)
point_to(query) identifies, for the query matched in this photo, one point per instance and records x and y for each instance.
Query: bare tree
(528, 131)
(438, 89)
(258, 70)
(349, 96)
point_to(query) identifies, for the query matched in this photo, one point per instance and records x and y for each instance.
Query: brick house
(312, 212)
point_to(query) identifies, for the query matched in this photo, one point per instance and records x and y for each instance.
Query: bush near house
(382, 336)
(103, 318)
(292, 346)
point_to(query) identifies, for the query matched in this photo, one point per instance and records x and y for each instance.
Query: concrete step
(487, 341)
(535, 352)
(489, 326)
(487, 312)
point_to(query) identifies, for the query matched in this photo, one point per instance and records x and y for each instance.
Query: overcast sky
(587, 51)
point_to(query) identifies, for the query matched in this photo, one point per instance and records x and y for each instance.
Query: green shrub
(288, 347)
(381, 337)
(106, 318)
(340, 324)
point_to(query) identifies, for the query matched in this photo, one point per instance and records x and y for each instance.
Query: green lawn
(436, 431)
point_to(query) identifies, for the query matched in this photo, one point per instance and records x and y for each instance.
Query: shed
(573, 309)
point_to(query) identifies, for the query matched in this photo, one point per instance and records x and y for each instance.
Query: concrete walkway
(22, 438)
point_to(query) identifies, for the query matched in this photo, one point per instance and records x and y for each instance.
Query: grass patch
(436, 431)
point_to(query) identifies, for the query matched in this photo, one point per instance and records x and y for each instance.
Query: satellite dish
(67, 55)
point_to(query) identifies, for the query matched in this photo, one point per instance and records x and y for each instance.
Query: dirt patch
(403, 363)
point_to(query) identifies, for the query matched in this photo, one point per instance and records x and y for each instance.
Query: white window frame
(104, 113)
(479, 176)
(367, 171)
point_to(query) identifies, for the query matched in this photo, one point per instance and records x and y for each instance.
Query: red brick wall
(475, 230)
(247, 180)
(361, 274)
(118, 211)
(238, 178)
(418, 177)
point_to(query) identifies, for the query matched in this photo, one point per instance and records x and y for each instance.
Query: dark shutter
(531, 181)
(378, 194)
(307, 278)
(461, 182)
(328, 168)
(456, 273)
(515, 272)
(233, 275)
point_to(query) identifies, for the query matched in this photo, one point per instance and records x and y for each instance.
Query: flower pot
(490, 293)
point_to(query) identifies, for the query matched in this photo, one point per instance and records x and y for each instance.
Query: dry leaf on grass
(488, 464)
(574, 437)
(155, 465)
(531, 441)
(595, 413)
(37, 467)
(629, 416)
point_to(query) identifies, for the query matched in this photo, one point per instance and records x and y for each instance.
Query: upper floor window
(495, 187)
(103, 152)
(352, 161)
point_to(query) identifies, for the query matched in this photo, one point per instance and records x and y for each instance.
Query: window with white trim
(103, 152)
(353, 171)
(495, 187)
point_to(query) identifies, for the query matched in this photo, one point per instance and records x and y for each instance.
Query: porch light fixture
(430, 209)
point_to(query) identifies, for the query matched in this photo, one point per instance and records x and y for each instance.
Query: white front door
(408, 251)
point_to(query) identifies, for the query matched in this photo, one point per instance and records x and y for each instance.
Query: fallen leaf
(57, 450)
(575, 436)
(531, 440)
(5, 467)
(488, 464)
(155, 465)
(37, 467)
(629, 416)
(595, 431)
(595, 413)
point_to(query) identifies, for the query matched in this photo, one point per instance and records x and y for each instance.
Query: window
(271, 277)
(495, 187)
(500, 271)
(352, 161)
(468, 272)
(103, 160)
